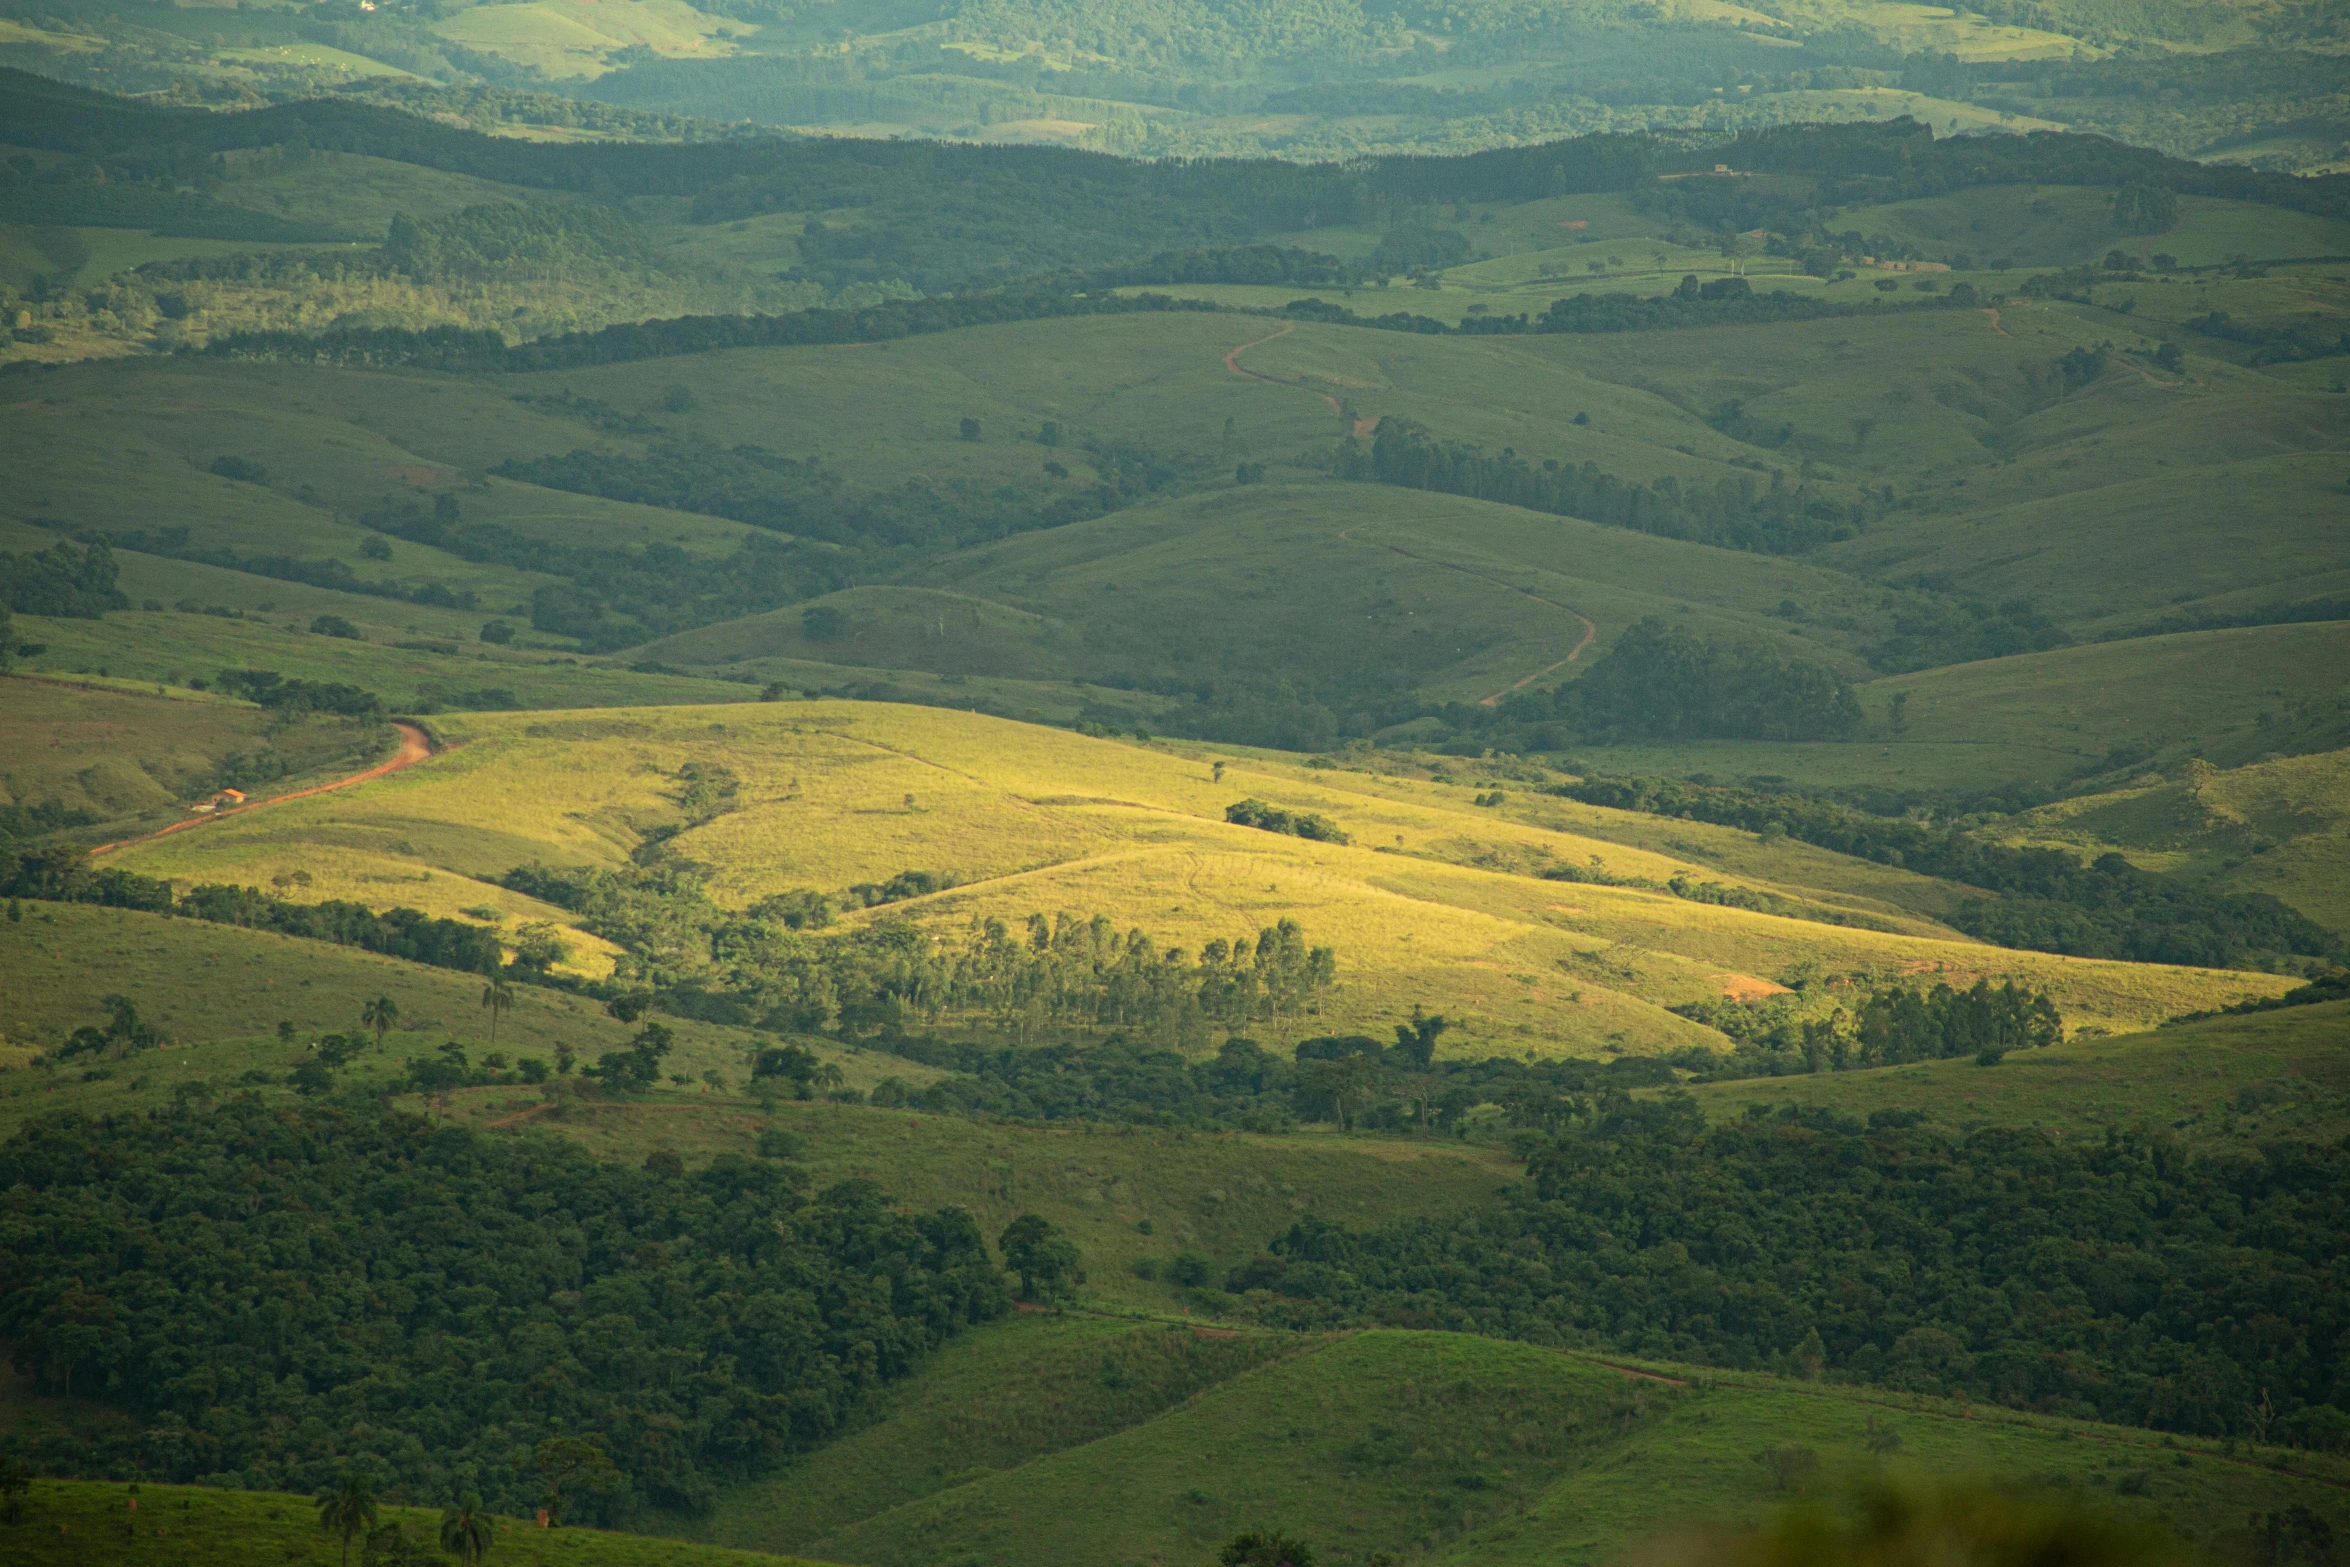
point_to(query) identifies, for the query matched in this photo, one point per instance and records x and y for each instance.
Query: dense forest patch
(280, 1293)
(2130, 1281)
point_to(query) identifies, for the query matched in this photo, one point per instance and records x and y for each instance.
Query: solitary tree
(466, 1531)
(348, 1510)
(380, 1014)
(569, 1461)
(1041, 1255)
(497, 995)
(1348, 1080)
(16, 1478)
(1416, 1040)
(1265, 1548)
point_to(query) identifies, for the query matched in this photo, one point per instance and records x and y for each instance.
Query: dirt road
(415, 746)
(1494, 699)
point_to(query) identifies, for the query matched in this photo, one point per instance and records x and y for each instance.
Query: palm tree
(380, 1014)
(348, 1510)
(829, 1076)
(466, 1531)
(497, 995)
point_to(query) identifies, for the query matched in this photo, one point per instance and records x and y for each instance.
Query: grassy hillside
(1222, 1195)
(1459, 598)
(1434, 903)
(116, 751)
(1462, 1449)
(2057, 719)
(218, 994)
(2272, 826)
(1441, 1447)
(1712, 1442)
(997, 1398)
(77, 1521)
(2266, 1077)
(1984, 477)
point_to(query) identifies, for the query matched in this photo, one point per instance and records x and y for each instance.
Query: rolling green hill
(985, 672)
(2236, 1080)
(1414, 570)
(1436, 901)
(65, 1521)
(1441, 1447)
(2269, 826)
(1572, 1456)
(1299, 80)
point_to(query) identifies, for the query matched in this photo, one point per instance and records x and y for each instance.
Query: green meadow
(1437, 901)
(75, 1521)
(1451, 1449)
(2235, 1080)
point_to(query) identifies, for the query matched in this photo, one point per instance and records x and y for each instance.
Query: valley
(986, 786)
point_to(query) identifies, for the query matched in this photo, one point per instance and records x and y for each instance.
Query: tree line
(1661, 682)
(1892, 1027)
(280, 1295)
(466, 350)
(2050, 901)
(2130, 1281)
(762, 966)
(1353, 1080)
(65, 581)
(56, 870)
(1766, 516)
(949, 216)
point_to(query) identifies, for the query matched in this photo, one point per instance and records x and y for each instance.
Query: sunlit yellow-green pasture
(1435, 902)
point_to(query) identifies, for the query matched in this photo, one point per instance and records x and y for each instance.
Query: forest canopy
(2129, 1281)
(279, 1294)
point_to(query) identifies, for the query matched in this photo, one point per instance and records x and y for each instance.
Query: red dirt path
(415, 746)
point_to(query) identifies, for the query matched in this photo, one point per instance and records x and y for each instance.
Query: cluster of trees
(1352, 1079)
(58, 871)
(617, 597)
(1766, 516)
(71, 195)
(1932, 627)
(279, 1295)
(1260, 264)
(2281, 344)
(1295, 824)
(466, 350)
(507, 240)
(2131, 1281)
(759, 966)
(1894, 1025)
(69, 582)
(296, 697)
(174, 542)
(2051, 901)
(1660, 682)
(1729, 301)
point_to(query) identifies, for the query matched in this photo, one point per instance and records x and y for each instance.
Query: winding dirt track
(415, 746)
(1232, 363)
(1362, 427)
(1494, 699)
